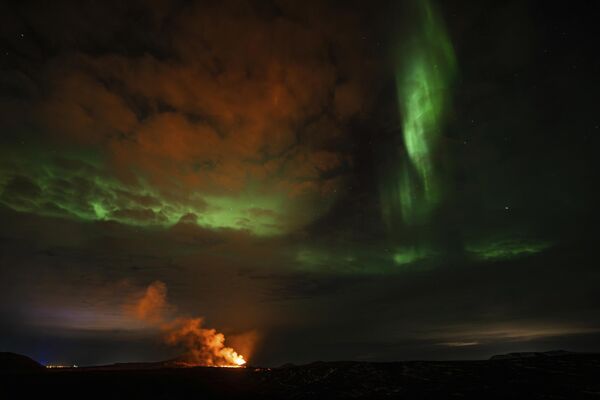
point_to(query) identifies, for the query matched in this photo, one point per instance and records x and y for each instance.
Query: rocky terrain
(554, 375)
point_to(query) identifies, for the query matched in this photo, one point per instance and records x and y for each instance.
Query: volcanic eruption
(203, 346)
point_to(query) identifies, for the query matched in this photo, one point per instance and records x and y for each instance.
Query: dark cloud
(20, 190)
(249, 101)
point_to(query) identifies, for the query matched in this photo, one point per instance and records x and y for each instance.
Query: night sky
(327, 180)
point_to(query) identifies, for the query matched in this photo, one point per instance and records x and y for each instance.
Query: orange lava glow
(201, 346)
(204, 347)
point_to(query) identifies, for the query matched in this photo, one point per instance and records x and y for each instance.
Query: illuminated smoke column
(425, 67)
(203, 346)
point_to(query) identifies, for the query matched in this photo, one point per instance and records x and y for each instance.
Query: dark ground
(531, 376)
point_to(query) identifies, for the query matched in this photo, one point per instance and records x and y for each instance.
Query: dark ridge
(17, 363)
(555, 375)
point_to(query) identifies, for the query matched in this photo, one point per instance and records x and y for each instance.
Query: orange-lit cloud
(247, 102)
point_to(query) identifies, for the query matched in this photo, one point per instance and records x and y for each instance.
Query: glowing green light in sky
(101, 213)
(378, 259)
(313, 258)
(424, 71)
(409, 255)
(506, 248)
(254, 212)
(79, 188)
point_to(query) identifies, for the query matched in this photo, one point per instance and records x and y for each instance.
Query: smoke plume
(151, 307)
(203, 346)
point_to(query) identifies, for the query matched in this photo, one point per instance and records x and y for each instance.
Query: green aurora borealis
(79, 188)
(81, 183)
(373, 181)
(425, 69)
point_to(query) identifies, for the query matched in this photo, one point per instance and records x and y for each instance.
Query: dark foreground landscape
(554, 375)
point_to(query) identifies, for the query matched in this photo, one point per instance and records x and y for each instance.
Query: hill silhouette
(556, 375)
(16, 362)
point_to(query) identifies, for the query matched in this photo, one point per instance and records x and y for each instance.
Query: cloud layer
(234, 113)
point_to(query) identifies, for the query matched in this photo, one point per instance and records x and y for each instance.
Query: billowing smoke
(151, 307)
(203, 346)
